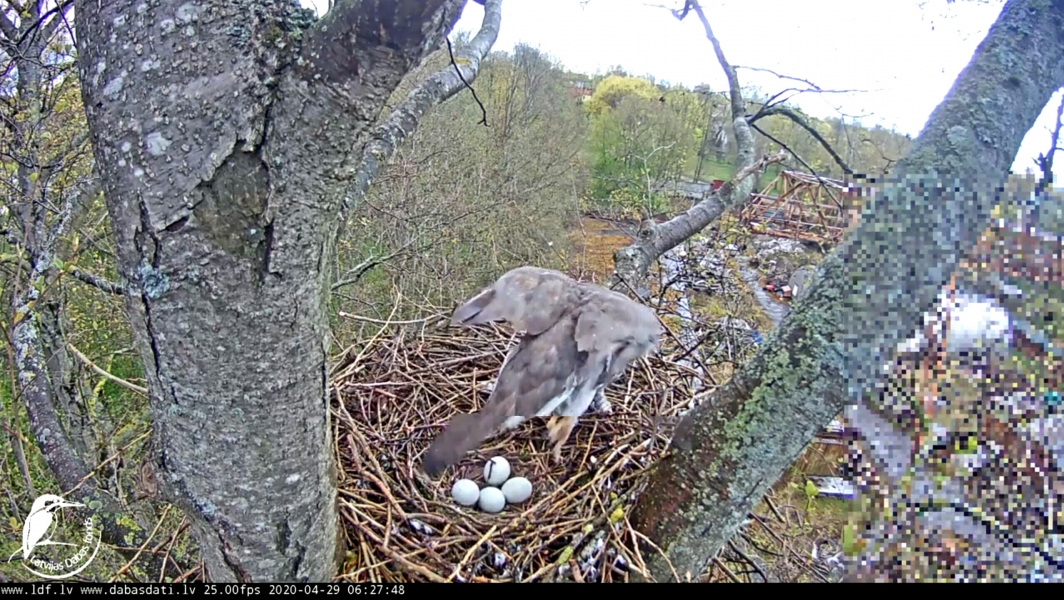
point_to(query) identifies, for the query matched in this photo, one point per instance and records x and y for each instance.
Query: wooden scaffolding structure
(801, 206)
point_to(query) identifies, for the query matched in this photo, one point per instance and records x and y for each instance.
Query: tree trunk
(863, 298)
(226, 135)
(632, 263)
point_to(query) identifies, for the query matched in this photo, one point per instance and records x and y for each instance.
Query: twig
(125, 567)
(727, 572)
(118, 380)
(483, 112)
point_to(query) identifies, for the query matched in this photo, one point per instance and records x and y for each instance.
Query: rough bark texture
(226, 135)
(862, 300)
(632, 263)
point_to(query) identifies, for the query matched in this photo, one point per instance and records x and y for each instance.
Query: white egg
(517, 490)
(496, 471)
(465, 492)
(491, 500)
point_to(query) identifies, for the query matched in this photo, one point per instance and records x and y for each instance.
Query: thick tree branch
(58, 14)
(37, 393)
(404, 120)
(9, 31)
(41, 27)
(632, 263)
(862, 299)
(364, 42)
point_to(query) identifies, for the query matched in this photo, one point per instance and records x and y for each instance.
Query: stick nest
(395, 396)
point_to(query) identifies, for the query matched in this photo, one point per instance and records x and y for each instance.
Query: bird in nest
(578, 337)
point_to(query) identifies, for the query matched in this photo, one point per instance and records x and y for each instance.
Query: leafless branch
(8, 29)
(813, 87)
(632, 263)
(788, 150)
(98, 282)
(100, 371)
(404, 120)
(801, 122)
(357, 272)
(46, 27)
(890, 161)
(483, 111)
(1045, 161)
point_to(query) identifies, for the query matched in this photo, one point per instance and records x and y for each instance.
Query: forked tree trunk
(226, 135)
(862, 300)
(632, 263)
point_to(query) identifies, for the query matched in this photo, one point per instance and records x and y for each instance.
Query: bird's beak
(65, 504)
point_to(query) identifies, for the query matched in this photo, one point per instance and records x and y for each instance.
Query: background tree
(50, 254)
(440, 224)
(227, 137)
(632, 263)
(637, 143)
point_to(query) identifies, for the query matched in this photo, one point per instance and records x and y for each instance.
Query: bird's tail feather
(464, 433)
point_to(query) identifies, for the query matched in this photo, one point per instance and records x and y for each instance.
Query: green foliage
(641, 133)
(613, 89)
(638, 136)
(461, 202)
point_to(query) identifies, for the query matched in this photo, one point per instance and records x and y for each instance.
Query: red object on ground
(716, 184)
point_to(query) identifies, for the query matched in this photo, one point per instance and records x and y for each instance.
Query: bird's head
(50, 503)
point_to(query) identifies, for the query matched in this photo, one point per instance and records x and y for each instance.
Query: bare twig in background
(118, 380)
(801, 122)
(483, 111)
(1045, 159)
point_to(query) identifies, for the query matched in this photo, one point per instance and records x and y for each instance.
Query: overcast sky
(903, 54)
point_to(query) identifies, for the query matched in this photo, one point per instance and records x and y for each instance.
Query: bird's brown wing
(540, 369)
(529, 298)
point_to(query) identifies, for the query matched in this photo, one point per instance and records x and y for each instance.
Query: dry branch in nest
(395, 396)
